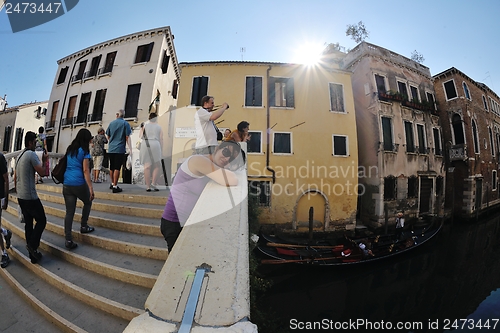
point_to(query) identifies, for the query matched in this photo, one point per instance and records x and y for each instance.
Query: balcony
(105, 70)
(458, 152)
(94, 117)
(68, 121)
(50, 124)
(398, 97)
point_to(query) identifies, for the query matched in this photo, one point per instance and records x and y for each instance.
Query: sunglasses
(226, 152)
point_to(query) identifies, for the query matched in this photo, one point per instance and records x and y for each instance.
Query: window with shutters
(282, 143)
(254, 145)
(62, 75)
(410, 141)
(466, 90)
(94, 67)
(132, 100)
(422, 144)
(144, 53)
(387, 138)
(281, 92)
(431, 100)
(390, 189)
(260, 190)
(412, 187)
(380, 82)
(438, 148)
(83, 109)
(458, 129)
(414, 94)
(450, 90)
(18, 141)
(165, 62)
(475, 137)
(340, 145)
(100, 96)
(6, 138)
(403, 90)
(200, 89)
(53, 116)
(81, 71)
(175, 88)
(70, 112)
(253, 91)
(108, 64)
(336, 97)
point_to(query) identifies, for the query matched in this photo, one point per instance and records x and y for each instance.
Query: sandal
(86, 229)
(70, 245)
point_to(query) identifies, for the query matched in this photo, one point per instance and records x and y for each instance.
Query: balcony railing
(398, 97)
(458, 152)
(104, 70)
(94, 117)
(50, 124)
(68, 121)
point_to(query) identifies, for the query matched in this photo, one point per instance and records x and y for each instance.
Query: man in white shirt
(206, 134)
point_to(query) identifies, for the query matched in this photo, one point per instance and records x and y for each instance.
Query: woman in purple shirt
(190, 180)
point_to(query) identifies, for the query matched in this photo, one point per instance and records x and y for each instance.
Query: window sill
(282, 107)
(283, 154)
(345, 156)
(253, 107)
(255, 153)
(103, 74)
(94, 122)
(338, 112)
(78, 124)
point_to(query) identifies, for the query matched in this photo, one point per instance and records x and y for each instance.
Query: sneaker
(86, 229)
(117, 190)
(110, 186)
(70, 245)
(5, 260)
(7, 239)
(35, 256)
(154, 188)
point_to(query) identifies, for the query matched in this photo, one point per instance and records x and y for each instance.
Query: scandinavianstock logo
(27, 14)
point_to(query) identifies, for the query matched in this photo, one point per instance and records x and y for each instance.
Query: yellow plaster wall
(312, 165)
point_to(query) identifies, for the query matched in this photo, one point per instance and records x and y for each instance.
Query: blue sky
(454, 33)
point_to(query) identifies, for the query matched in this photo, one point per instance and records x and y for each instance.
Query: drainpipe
(66, 95)
(268, 126)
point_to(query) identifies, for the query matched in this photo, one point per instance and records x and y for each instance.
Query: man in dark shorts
(118, 134)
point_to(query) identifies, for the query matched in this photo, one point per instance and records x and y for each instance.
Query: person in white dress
(151, 151)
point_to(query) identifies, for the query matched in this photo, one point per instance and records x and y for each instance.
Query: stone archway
(311, 198)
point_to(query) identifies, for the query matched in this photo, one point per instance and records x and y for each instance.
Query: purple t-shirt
(184, 194)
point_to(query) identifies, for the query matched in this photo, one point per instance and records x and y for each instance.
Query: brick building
(470, 119)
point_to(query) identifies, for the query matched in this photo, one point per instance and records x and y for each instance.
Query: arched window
(474, 137)
(466, 90)
(458, 129)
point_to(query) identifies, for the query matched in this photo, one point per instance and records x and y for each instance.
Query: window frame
(199, 89)
(494, 180)
(339, 103)
(143, 53)
(475, 137)
(422, 146)
(412, 137)
(405, 83)
(274, 142)
(130, 110)
(265, 187)
(436, 141)
(418, 99)
(252, 133)
(485, 103)
(254, 89)
(446, 92)
(394, 188)
(466, 89)
(346, 145)
(413, 186)
(384, 78)
(289, 92)
(492, 142)
(391, 128)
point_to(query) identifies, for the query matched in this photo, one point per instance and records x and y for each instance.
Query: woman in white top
(151, 151)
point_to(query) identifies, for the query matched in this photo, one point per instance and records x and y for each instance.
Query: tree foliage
(418, 57)
(357, 32)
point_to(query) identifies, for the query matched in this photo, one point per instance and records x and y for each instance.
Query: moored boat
(344, 250)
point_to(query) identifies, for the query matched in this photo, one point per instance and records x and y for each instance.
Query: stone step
(103, 283)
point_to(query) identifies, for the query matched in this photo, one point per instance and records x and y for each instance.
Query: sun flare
(308, 53)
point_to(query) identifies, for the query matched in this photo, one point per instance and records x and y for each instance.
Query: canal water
(451, 283)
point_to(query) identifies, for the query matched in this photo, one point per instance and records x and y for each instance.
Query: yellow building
(307, 158)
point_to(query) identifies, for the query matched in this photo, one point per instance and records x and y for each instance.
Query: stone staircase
(97, 287)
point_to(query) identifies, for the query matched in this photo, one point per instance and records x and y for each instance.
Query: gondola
(344, 250)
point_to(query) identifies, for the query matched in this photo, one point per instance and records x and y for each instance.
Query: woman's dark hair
(235, 162)
(41, 129)
(242, 125)
(152, 117)
(82, 140)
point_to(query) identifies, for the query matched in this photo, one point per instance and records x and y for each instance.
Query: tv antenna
(242, 51)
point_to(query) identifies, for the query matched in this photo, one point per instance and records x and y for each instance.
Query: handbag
(59, 170)
(138, 145)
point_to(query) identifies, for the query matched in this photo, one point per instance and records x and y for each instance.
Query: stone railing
(11, 163)
(215, 240)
